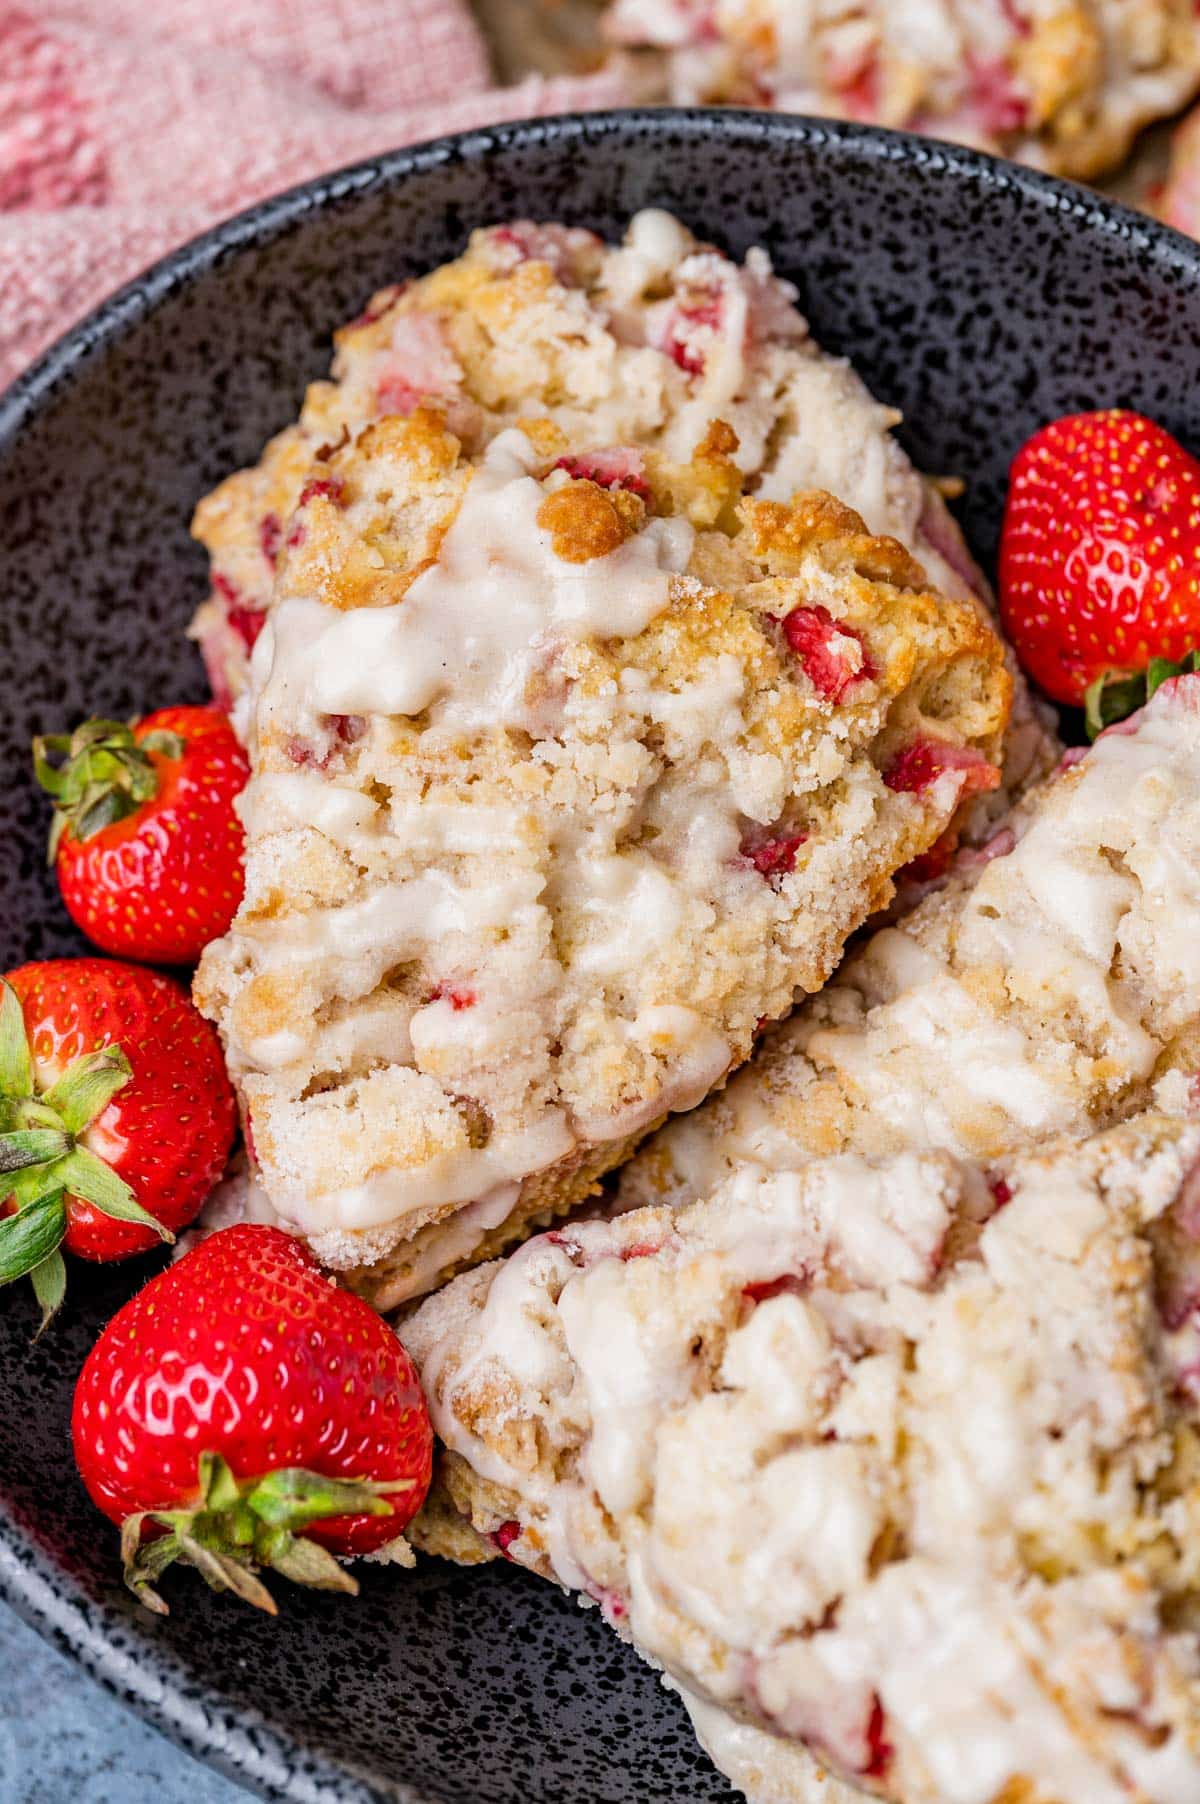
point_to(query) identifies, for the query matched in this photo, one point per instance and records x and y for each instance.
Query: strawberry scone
(1063, 84)
(638, 345)
(896, 1467)
(568, 769)
(1050, 986)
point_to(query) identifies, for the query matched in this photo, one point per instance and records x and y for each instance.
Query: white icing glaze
(442, 1245)
(449, 1179)
(468, 636)
(764, 1768)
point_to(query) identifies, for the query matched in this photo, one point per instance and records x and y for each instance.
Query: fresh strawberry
(145, 840)
(249, 1413)
(1099, 559)
(116, 1115)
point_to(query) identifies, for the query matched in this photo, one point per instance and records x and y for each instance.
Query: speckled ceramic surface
(978, 298)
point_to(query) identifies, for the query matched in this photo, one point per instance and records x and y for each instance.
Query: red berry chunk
(458, 997)
(505, 1535)
(686, 356)
(774, 857)
(931, 866)
(789, 1284)
(643, 1249)
(569, 1244)
(879, 1749)
(610, 470)
(247, 623)
(345, 729)
(832, 654)
(858, 90)
(1000, 104)
(1001, 1190)
(702, 312)
(320, 485)
(556, 245)
(921, 764)
(270, 533)
(398, 395)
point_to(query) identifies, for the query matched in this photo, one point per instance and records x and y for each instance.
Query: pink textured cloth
(127, 126)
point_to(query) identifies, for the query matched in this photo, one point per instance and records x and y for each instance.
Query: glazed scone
(1047, 989)
(567, 770)
(891, 1464)
(642, 344)
(1063, 84)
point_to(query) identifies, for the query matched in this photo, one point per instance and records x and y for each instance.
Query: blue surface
(65, 1741)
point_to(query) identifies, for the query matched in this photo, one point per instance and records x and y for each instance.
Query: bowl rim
(149, 1678)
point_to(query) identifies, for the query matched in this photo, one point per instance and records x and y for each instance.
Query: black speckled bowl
(979, 298)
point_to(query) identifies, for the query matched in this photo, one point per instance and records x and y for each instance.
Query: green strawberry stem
(1116, 695)
(42, 1158)
(98, 774)
(239, 1526)
(32, 1235)
(49, 1280)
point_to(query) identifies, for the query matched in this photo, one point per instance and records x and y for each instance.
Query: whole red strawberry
(1100, 559)
(116, 1115)
(246, 1409)
(145, 840)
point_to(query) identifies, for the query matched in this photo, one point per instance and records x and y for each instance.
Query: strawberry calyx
(99, 774)
(43, 1160)
(1118, 694)
(239, 1526)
